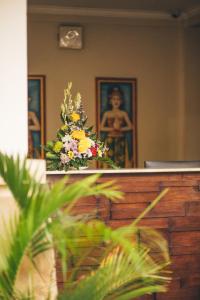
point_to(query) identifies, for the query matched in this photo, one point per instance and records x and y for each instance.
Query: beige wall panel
(148, 53)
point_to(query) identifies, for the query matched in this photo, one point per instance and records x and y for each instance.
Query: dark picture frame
(116, 106)
(36, 116)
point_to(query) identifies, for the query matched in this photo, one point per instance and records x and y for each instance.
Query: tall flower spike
(82, 112)
(77, 102)
(68, 103)
(62, 109)
(70, 107)
(69, 87)
(65, 95)
(64, 106)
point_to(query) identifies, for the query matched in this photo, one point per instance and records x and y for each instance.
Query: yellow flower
(84, 144)
(78, 134)
(70, 154)
(99, 153)
(64, 127)
(75, 117)
(57, 147)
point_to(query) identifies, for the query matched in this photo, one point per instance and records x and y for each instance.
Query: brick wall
(177, 216)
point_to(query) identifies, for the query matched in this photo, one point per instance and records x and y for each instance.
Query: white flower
(89, 141)
(66, 138)
(64, 158)
(67, 146)
(89, 153)
(92, 143)
(74, 127)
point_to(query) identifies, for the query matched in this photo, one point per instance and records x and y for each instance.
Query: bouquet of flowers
(75, 144)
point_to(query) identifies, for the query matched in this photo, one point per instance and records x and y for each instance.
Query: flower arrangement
(75, 144)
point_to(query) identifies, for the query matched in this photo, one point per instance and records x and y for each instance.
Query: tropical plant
(124, 263)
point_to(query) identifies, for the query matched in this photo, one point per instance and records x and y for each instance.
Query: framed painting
(36, 116)
(116, 119)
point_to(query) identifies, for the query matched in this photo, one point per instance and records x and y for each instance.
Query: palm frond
(126, 262)
(120, 277)
(132, 261)
(14, 173)
(36, 205)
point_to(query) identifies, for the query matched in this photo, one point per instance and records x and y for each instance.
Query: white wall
(149, 53)
(13, 77)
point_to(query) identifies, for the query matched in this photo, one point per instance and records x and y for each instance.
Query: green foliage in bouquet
(76, 144)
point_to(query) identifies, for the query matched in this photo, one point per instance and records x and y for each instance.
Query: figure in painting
(33, 125)
(116, 127)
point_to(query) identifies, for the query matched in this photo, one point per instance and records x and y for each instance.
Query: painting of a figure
(116, 119)
(36, 120)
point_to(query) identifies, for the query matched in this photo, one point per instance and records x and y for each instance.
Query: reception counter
(177, 216)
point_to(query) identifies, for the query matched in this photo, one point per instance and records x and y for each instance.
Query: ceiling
(145, 5)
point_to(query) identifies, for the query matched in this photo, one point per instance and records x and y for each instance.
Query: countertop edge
(123, 171)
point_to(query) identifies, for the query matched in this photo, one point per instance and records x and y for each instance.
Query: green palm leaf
(125, 267)
(36, 205)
